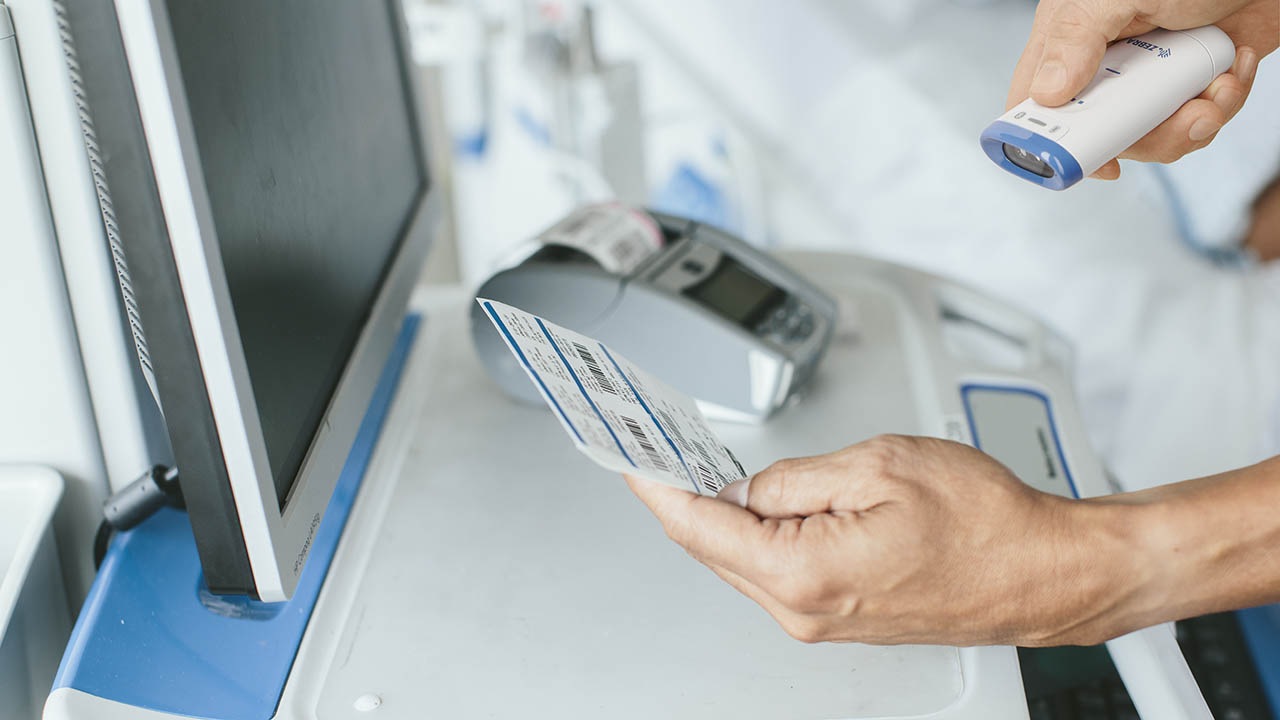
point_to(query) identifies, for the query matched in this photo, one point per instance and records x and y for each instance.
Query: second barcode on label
(596, 372)
(710, 482)
(637, 432)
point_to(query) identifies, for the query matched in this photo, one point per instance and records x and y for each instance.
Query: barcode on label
(650, 451)
(671, 427)
(729, 453)
(710, 482)
(706, 457)
(623, 252)
(601, 379)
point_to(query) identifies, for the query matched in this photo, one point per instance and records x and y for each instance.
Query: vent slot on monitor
(103, 191)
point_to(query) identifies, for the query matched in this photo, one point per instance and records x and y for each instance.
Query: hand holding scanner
(1141, 82)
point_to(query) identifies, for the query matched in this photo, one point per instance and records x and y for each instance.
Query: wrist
(1167, 553)
(1211, 540)
(1152, 568)
(1105, 578)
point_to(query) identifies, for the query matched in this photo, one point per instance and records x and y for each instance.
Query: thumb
(799, 487)
(1075, 37)
(714, 532)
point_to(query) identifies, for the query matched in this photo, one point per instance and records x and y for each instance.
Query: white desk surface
(509, 576)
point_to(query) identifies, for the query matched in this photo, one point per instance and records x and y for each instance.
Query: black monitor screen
(306, 140)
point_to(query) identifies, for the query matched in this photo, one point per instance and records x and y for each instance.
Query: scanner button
(1055, 129)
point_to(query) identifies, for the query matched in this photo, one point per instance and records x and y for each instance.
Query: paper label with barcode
(614, 235)
(618, 415)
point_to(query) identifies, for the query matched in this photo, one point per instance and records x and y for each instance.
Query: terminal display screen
(735, 292)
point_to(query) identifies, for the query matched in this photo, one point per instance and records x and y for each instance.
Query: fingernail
(1248, 66)
(1050, 78)
(735, 492)
(1203, 128)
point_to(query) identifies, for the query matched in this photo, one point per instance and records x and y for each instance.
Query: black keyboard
(1081, 683)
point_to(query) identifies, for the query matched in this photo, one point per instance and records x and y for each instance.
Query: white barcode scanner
(1142, 81)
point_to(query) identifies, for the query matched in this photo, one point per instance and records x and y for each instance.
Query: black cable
(101, 541)
(137, 501)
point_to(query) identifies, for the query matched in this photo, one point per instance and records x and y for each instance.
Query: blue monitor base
(151, 636)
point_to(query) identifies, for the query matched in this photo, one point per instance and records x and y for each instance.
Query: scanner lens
(1027, 161)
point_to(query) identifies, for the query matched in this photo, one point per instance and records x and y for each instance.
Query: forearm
(1194, 547)
(1219, 540)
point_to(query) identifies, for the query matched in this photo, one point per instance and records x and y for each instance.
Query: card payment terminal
(707, 313)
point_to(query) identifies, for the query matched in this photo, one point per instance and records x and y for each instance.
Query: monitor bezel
(276, 537)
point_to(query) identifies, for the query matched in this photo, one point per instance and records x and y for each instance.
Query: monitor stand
(151, 637)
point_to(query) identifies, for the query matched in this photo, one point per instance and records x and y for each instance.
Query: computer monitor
(271, 241)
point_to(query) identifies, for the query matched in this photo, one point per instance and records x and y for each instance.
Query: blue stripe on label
(520, 354)
(627, 380)
(583, 390)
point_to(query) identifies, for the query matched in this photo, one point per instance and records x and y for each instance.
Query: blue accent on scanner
(1066, 170)
(145, 639)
